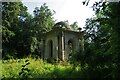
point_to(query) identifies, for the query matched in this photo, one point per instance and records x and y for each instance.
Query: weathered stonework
(60, 42)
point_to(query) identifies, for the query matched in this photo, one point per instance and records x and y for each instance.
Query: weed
(25, 72)
(37, 68)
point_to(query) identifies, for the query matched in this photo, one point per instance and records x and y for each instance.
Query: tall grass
(38, 69)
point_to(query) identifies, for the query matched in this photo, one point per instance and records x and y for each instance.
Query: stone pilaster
(62, 44)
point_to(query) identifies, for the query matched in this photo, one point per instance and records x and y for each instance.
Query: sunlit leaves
(102, 41)
(74, 26)
(7, 34)
(43, 18)
(34, 44)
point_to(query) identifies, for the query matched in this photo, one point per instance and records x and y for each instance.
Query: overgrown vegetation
(20, 68)
(21, 36)
(102, 42)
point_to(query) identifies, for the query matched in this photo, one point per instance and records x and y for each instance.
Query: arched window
(70, 48)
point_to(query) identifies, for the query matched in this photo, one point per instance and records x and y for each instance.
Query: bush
(36, 68)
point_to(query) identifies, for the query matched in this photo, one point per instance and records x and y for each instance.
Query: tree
(13, 14)
(43, 18)
(103, 39)
(9, 20)
(74, 26)
(41, 23)
(101, 54)
(22, 29)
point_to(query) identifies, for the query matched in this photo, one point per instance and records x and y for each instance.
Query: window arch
(70, 47)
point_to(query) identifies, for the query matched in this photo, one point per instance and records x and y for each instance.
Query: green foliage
(100, 58)
(102, 43)
(41, 23)
(13, 14)
(7, 34)
(23, 30)
(74, 26)
(43, 18)
(25, 72)
(37, 68)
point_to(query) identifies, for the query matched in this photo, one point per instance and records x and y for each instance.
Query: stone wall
(59, 39)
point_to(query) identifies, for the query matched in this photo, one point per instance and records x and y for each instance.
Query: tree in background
(41, 23)
(101, 56)
(21, 31)
(11, 14)
(43, 18)
(74, 26)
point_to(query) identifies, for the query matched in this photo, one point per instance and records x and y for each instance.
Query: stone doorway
(50, 48)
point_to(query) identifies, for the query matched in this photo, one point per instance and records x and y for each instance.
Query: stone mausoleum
(61, 41)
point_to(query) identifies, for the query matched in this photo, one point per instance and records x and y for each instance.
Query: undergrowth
(37, 68)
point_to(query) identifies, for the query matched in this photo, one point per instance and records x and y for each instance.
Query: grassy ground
(37, 69)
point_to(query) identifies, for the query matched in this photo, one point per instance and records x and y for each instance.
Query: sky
(71, 10)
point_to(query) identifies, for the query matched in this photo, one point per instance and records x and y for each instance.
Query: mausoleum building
(61, 41)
